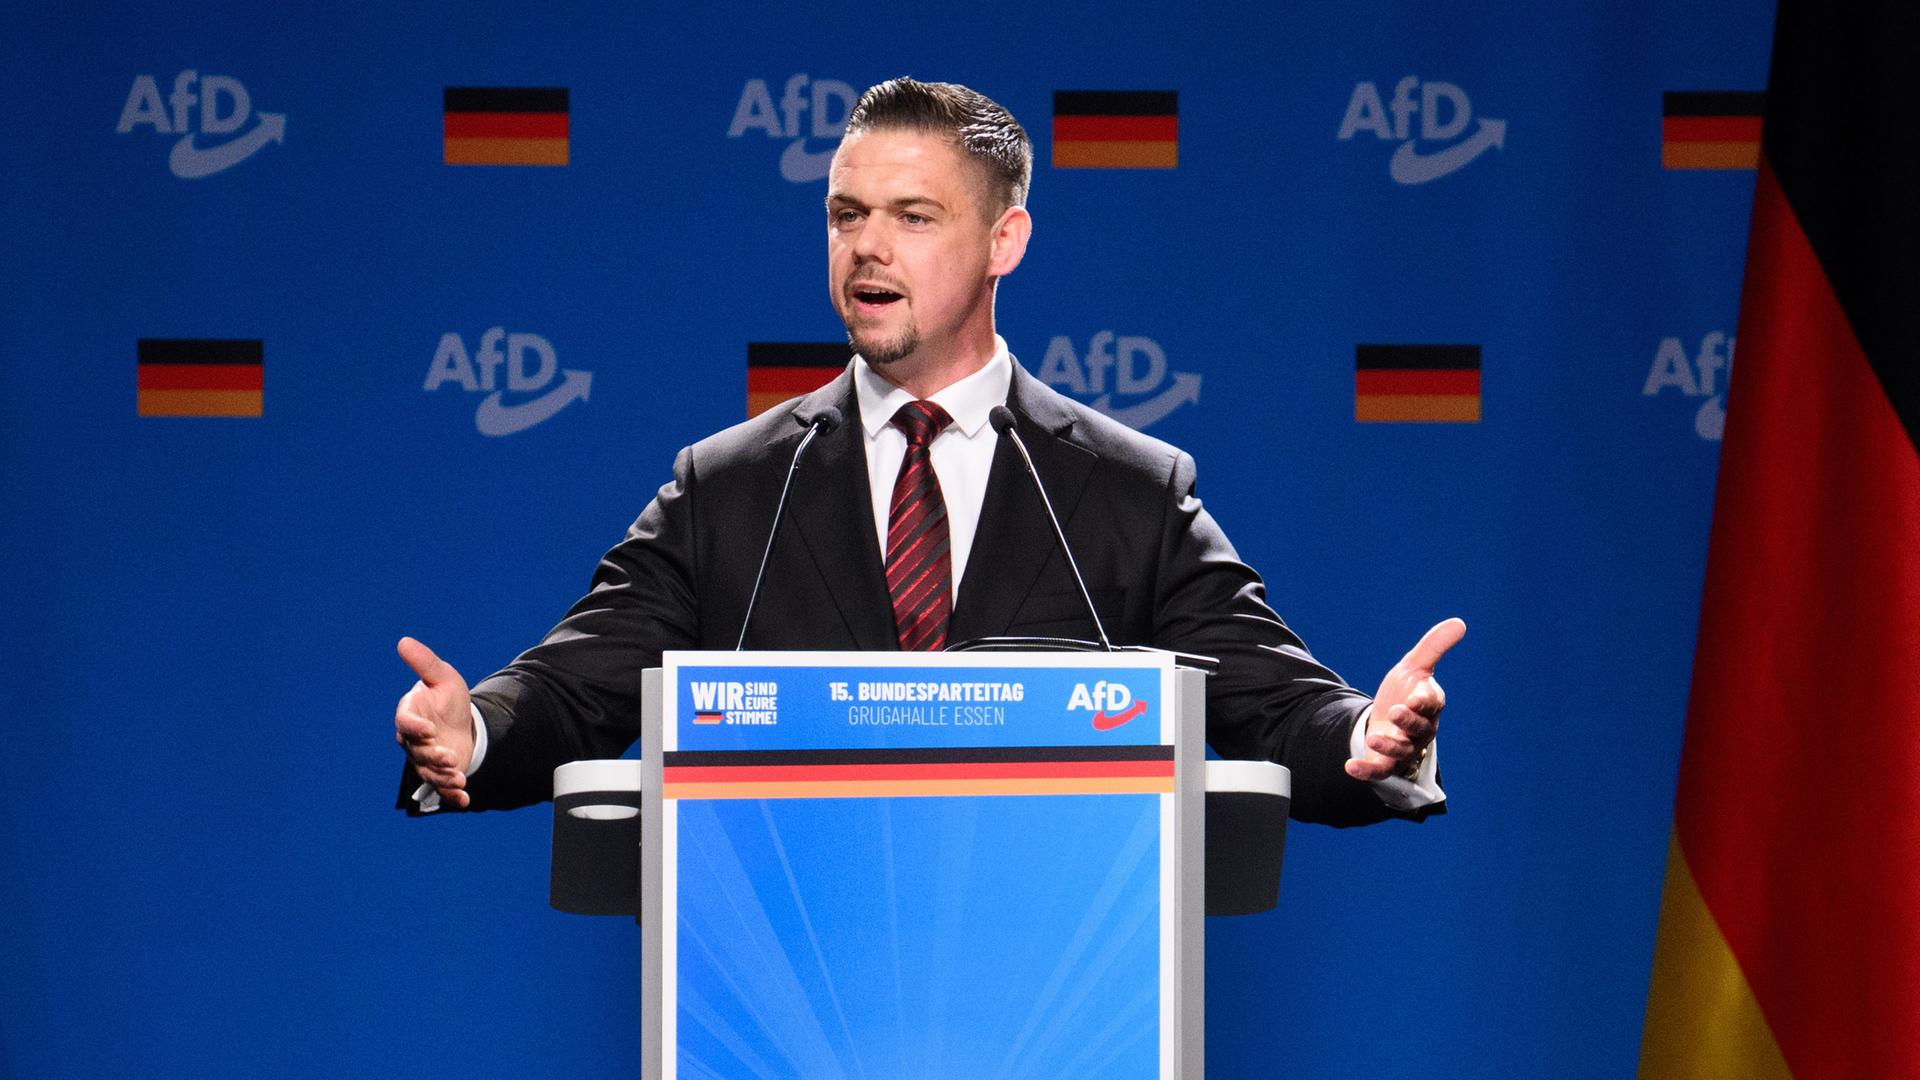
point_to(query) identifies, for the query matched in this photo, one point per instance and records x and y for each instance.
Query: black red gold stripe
(1416, 383)
(506, 125)
(200, 377)
(778, 370)
(1714, 129)
(816, 774)
(1116, 129)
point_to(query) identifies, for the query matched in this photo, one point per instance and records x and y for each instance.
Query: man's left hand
(1406, 711)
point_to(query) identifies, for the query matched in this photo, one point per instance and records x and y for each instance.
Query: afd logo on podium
(214, 136)
(535, 390)
(1444, 112)
(1122, 375)
(824, 102)
(1111, 704)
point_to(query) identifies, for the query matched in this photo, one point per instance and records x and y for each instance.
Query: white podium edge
(652, 834)
(1190, 901)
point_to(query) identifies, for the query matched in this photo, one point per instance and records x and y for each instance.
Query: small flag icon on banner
(1710, 130)
(1416, 383)
(707, 717)
(506, 125)
(200, 377)
(778, 370)
(1116, 129)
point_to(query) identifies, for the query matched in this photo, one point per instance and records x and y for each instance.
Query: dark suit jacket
(1159, 569)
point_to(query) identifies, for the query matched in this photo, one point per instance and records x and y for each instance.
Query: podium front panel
(925, 865)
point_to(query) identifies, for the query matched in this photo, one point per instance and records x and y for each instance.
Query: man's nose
(874, 241)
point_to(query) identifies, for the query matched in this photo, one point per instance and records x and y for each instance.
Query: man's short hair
(979, 128)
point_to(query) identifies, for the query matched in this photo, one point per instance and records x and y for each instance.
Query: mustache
(874, 281)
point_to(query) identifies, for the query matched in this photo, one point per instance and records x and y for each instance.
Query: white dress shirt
(962, 454)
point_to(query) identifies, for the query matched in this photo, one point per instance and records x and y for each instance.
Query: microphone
(1002, 420)
(824, 421)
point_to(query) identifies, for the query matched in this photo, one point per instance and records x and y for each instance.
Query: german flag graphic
(707, 717)
(1789, 941)
(200, 376)
(1717, 129)
(1116, 129)
(506, 125)
(778, 370)
(899, 773)
(1416, 383)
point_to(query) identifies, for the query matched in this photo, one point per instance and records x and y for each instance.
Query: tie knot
(921, 420)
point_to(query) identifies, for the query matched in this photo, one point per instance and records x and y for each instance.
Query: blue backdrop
(200, 870)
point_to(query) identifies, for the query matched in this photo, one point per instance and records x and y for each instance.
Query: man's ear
(1010, 235)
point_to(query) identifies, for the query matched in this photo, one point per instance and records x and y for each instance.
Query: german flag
(506, 125)
(1789, 941)
(870, 774)
(1116, 129)
(1416, 383)
(778, 370)
(708, 717)
(1715, 129)
(200, 376)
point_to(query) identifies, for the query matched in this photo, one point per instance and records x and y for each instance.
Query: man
(911, 525)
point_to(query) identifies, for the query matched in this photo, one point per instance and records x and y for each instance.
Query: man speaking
(911, 522)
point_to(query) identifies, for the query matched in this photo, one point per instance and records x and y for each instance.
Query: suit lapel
(1014, 540)
(832, 508)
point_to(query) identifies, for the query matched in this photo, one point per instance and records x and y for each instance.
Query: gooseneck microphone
(824, 421)
(1002, 420)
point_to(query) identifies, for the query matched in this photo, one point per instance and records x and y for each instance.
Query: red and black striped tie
(919, 572)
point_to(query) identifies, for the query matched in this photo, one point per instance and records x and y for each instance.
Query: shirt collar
(967, 401)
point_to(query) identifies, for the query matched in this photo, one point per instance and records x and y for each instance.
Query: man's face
(910, 251)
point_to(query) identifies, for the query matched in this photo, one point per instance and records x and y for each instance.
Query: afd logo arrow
(1410, 166)
(801, 166)
(190, 162)
(493, 418)
(1185, 388)
(1103, 722)
(1710, 422)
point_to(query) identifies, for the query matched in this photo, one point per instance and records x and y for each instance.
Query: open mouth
(875, 296)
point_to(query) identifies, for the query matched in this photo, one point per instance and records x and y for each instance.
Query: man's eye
(914, 219)
(846, 217)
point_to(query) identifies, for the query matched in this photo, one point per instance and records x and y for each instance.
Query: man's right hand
(434, 722)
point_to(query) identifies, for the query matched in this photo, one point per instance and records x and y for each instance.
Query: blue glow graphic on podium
(914, 869)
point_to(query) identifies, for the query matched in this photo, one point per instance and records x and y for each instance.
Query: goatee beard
(879, 352)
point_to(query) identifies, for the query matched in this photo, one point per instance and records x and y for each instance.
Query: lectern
(920, 865)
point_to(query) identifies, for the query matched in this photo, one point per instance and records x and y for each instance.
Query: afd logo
(1140, 376)
(1698, 377)
(1444, 114)
(1111, 704)
(479, 372)
(225, 108)
(824, 102)
(735, 702)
